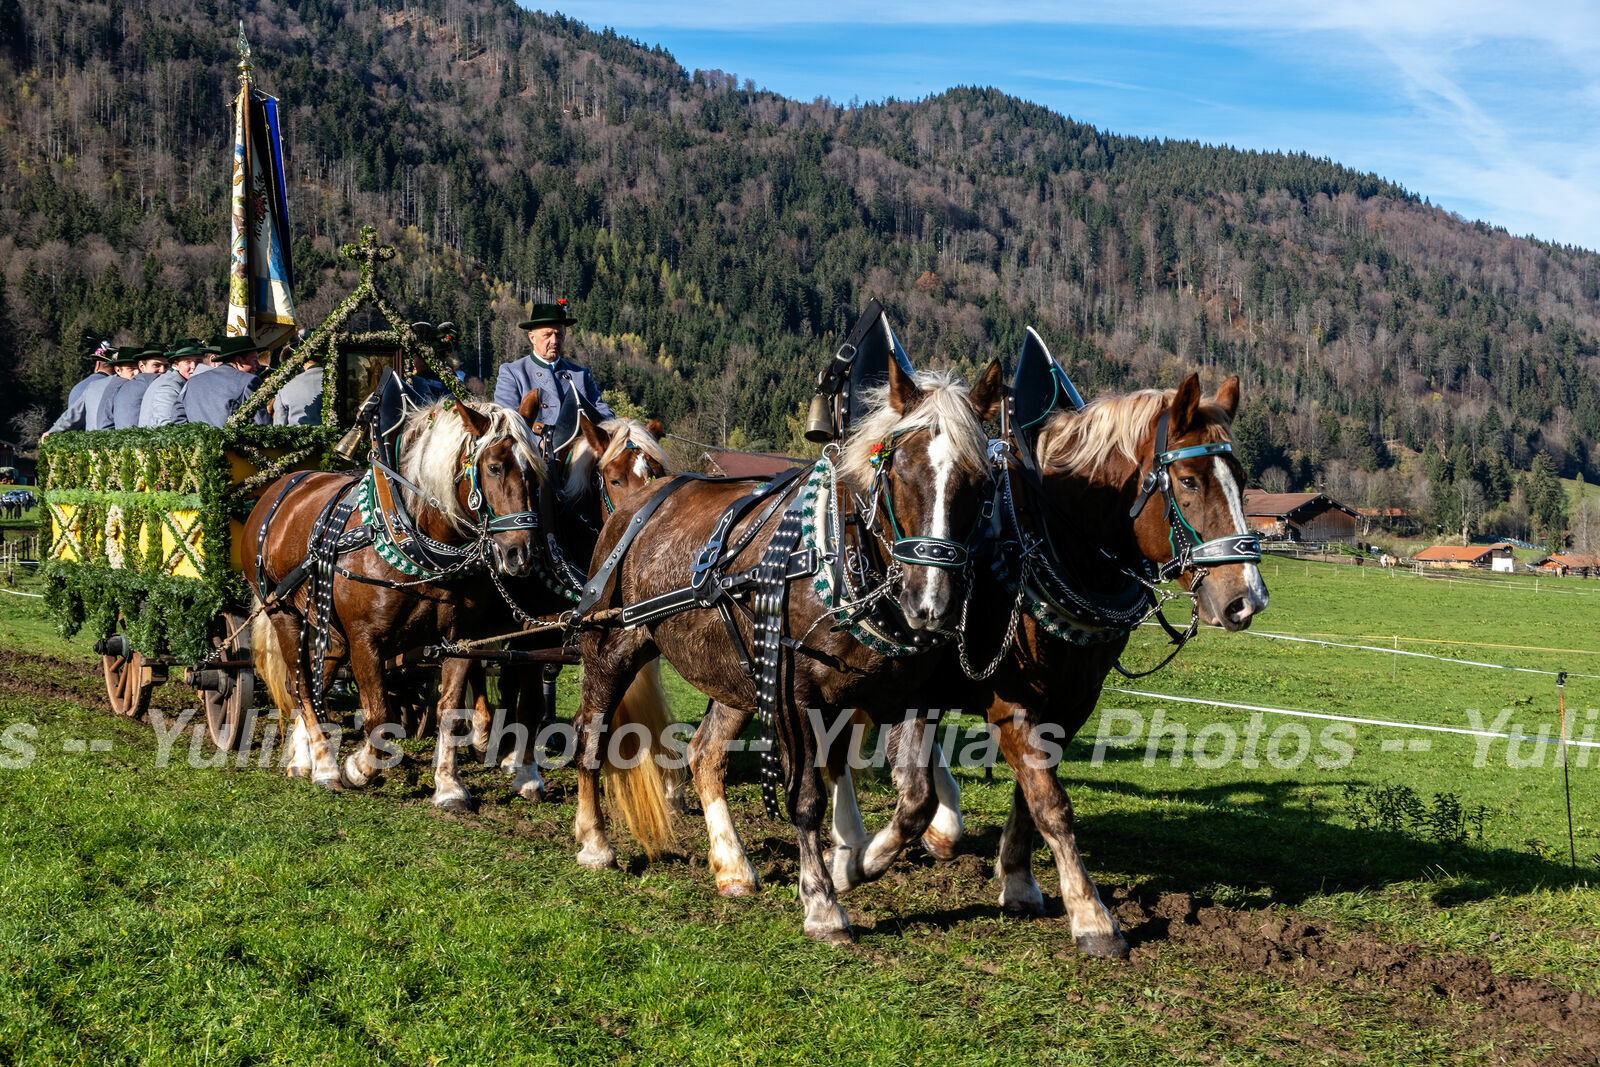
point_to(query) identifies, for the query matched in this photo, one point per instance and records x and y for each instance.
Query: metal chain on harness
(1011, 623)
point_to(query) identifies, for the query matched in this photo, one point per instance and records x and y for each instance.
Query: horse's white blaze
(641, 466)
(1235, 499)
(942, 455)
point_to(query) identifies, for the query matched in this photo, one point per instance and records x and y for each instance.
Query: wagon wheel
(228, 693)
(129, 676)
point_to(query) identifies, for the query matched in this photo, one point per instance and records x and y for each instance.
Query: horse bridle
(1188, 550)
(917, 551)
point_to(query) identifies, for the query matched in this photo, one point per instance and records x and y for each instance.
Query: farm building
(1470, 557)
(1298, 517)
(1568, 563)
(726, 463)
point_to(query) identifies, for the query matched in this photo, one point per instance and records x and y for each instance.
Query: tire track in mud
(1291, 946)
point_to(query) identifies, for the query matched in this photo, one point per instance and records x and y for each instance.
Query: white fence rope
(1296, 713)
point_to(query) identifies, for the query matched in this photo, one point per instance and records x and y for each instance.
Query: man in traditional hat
(299, 402)
(76, 415)
(163, 401)
(125, 411)
(124, 365)
(211, 398)
(546, 370)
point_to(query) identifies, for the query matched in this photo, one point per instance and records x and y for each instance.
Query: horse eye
(1191, 484)
(495, 470)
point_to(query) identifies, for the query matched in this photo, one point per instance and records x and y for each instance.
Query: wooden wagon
(142, 527)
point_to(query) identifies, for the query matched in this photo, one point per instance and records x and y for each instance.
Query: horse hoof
(533, 793)
(1107, 946)
(598, 860)
(938, 846)
(456, 805)
(296, 772)
(738, 889)
(353, 777)
(332, 785)
(833, 935)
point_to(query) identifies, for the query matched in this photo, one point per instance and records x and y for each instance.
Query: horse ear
(904, 394)
(594, 435)
(1184, 403)
(531, 403)
(986, 395)
(1228, 397)
(477, 422)
(655, 429)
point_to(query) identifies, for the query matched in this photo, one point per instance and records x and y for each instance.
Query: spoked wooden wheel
(227, 691)
(129, 676)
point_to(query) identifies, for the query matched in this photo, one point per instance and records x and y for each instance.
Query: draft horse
(1081, 547)
(912, 479)
(358, 573)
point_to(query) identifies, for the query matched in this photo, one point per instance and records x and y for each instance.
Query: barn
(1568, 563)
(1298, 517)
(1468, 557)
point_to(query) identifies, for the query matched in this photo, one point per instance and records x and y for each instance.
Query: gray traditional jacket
(517, 377)
(211, 398)
(75, 417)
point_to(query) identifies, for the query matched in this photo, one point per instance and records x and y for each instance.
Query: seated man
(163, 401)
(76, 415)
(299, 402)
(545, 369)
(210, 398)
(130, 398)
(124, 365)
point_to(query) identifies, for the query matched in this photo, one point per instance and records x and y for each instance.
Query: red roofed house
(725, 463)
(1298, 517)
(1457, 557)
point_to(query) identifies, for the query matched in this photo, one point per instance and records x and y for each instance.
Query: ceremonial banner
(261, 277)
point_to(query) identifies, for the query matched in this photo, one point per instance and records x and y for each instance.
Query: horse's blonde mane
(944, 402)
(431, 444)
(1106, 427)
(583, 462)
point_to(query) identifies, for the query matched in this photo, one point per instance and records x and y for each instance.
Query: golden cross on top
(368, 252)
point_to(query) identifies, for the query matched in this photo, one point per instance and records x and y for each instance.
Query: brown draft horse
(917, 463)
(604, 464)
(1092, 466)
(472, 465)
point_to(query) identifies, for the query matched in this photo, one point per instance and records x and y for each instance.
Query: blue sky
(1490, 110)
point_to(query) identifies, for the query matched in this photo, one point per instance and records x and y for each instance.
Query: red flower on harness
(877, 454)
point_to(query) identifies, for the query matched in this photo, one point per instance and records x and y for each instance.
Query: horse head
(920, 457)
(608, 461)
(480, 466)
(1186, 461)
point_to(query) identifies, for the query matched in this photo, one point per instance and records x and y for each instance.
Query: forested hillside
(709, 234)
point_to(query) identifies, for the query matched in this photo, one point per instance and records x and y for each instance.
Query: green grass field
(186, 913)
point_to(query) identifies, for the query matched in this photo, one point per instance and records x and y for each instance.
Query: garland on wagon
(138, 524)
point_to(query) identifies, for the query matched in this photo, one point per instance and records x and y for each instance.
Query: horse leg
(1094, 928)
(449, 791)
(482, 714)
(941, 838)
(607, 673)
(528, 716)
(825, 920)
(367, 665)
(311, 755)
(850, 835)
(1019, 892)
(708, 761)
(917, 800)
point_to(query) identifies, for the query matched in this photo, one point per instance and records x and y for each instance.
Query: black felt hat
(548, 315)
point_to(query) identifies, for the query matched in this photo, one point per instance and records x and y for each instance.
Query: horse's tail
(636, 782)
(271, 669)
